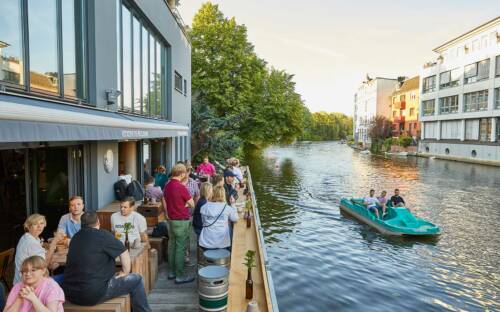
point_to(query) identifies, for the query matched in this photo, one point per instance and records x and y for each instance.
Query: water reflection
(323, 261)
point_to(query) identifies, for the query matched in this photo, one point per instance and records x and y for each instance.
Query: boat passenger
(383, 201)
(206, 168)
(90, 277)
(217, 180)
(35, 292)
(231, 193)
(216, 215)
(372, 202)
(138, 230)
(69, 223)
(191, 185)
(396, 200)
(30, 244)
(235, 163)
(206, 190)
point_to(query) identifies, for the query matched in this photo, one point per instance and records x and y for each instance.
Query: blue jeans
(131, 284)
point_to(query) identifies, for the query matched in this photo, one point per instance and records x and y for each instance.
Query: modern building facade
(89, 90)
(405, 103)
(373, 98)
(460, 100)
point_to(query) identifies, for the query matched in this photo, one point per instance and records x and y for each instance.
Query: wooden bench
(118, 304)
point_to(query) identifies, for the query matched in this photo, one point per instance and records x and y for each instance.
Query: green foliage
(376, 146)
(388, 142)
(237, 101)
(380, 128)
(324, 126)
(250, 259)
(405, 141)
(127, 226)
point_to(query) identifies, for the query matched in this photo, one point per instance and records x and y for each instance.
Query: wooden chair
(6, 263)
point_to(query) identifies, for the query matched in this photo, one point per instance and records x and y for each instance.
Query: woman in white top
(31, 245)
(215, 216)
(235, 162)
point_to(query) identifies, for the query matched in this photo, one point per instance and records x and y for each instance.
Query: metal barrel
(220, 257)
(213, 286)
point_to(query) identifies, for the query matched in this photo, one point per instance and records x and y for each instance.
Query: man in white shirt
(372, 203)
(128, 215)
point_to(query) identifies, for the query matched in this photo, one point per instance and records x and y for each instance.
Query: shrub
(405, 141)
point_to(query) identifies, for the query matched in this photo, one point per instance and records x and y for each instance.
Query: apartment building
(460, 99)
(373, 98)
(405, 103)
(89, 90)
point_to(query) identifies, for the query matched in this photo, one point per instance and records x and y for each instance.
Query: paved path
(167, 296)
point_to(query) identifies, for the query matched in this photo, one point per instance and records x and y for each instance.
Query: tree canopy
(322, 126)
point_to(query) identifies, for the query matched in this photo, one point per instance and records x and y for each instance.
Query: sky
(330, 45)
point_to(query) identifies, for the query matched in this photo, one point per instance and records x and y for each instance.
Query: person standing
(178, 200)
(90, 277)
(206, 168)
(231, 193)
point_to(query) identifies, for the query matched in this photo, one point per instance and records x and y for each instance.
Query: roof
(468, 34)
(408, 85)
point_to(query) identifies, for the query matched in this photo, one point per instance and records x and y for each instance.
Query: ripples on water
(323, 261)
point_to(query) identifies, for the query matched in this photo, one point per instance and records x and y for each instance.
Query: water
(324, 261)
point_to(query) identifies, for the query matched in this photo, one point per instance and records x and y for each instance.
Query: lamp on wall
(112, 96)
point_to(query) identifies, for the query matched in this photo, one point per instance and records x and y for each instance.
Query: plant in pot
(126, 228)
(249, 263)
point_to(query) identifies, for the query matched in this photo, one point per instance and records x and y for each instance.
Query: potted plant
(249, 263)
(126, 228)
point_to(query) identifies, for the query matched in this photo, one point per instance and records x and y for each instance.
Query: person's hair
(178, 170)
(217, 179)
(32, 220)
(149, 180)
(383, 192)
(396, 190)
(35, 262)
(206, 190)
(89, 219)
(72, 198)
(219, 194)
(236, 162)
(179, 162)
(130, 200)
(372, 190)
(161, 169)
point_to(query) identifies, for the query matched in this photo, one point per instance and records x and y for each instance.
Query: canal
(324, 261)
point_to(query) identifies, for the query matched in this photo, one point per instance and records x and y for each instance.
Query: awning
(33, 120)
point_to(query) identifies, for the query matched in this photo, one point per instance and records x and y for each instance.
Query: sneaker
(186, 279)
(171, 276)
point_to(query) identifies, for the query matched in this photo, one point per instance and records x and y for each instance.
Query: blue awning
(32, 120)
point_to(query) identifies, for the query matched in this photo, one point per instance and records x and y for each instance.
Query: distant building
(460, 100)
(372, 99)
(405, 104)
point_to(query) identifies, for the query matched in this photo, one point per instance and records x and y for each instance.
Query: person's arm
(16, 305)
(126, 264)
(233, 216)
(52, 248)
(28, 293)
(190, 203)
(402, 200)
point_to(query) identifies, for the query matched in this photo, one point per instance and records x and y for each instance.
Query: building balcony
(399, 119)
(399, 105)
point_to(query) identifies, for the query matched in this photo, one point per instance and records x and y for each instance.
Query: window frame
(474, 78)
(425, 109)
(425, 87)
(176, 76)
(447, 103)
(472, 103)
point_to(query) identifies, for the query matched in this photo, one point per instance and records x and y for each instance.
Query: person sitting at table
(69, 223)
(90, 276)
(35, 292)
(215, 216)
(206, 168)
(30, 244)
(372, 203)
(153, 192)
(128, 215)
(396, 200)
(178, 199)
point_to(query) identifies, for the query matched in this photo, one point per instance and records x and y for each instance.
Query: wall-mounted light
(112, 96)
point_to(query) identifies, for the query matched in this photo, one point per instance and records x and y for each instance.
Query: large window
(448, 105)
(477, 71)
(51, 34)
(429, 84)
(476, 101)
(142, 66)
(449, 79)
(485, 129)
(428, 107)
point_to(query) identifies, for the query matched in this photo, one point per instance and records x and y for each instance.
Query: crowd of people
(374, 203)
(199, 201)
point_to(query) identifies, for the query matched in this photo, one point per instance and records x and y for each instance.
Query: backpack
(135, 190)
(120, 188)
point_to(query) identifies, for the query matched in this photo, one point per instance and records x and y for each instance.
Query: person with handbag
(215, 216)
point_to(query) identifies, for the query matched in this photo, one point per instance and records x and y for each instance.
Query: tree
(380, 128)
(322, 126)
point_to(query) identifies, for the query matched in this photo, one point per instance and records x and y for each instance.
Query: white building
(460, 99)
(373, 98)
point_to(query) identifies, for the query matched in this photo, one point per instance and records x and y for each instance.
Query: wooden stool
(118, 304)
(161, 246)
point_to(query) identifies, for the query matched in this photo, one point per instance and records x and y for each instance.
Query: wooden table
(105, 213)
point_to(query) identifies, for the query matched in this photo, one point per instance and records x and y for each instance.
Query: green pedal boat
(397, 221)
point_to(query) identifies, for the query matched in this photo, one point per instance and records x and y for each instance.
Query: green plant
(250, 259)
(127, 227)
(404, 141)
(388, 142)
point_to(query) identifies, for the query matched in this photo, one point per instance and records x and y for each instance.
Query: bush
(405, 141)
(388, 142)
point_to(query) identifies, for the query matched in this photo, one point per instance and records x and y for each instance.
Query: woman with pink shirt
(36, 292)
(206, 168)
